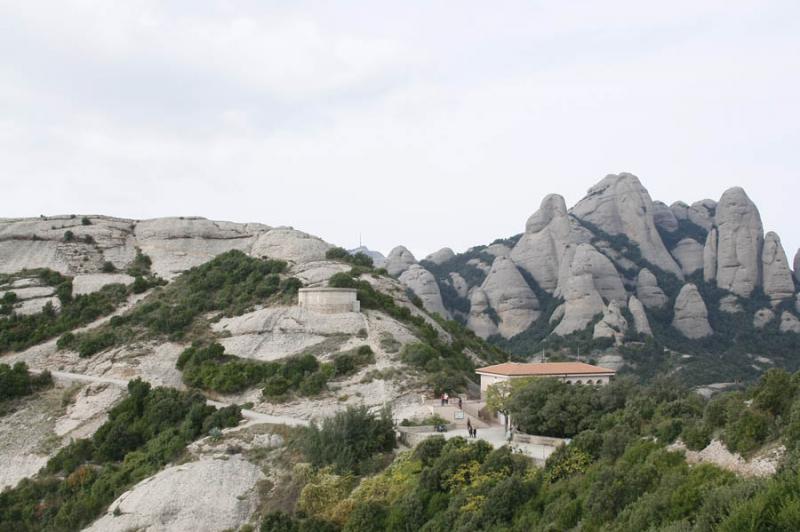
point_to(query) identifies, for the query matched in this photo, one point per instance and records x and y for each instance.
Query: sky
(426, 124)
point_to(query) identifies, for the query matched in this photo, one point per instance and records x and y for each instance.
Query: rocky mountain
(618, 268)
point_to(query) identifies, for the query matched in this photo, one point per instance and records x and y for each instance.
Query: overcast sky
(427, 124)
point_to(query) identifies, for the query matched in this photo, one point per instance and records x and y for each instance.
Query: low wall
(412, 436)
(329, 300)
(538, 440)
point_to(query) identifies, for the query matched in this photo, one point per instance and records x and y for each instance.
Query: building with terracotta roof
(569, 372)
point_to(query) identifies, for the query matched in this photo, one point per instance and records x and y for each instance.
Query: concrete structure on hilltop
(329, 300)
(569, 372)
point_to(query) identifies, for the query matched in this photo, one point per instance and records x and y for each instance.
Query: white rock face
(423, 284)
(92, 282)
(664, 217)
(789, 323)
(640, 322)
(619, 204)
(441, 256)
(479, 320)
(289, 244)
(548, 233)
(691, 314)
(511, 297)
(710, 257)
(582, 299)
(797, 265)
(741, 238)
(498, 250)
(207, 495)
(459, 284)
(613, 325)
(777, 277)
(730, 304)
(680, 210)
(701, 213)
(605, 277)
(689, 254)
(398, 261)
(557, 315)
(648, 291)
(762, 317)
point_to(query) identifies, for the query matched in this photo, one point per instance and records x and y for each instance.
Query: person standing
(469, 427)
(446, 398)
(460, 404)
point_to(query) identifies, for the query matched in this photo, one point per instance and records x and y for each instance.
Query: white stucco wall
(329, 300)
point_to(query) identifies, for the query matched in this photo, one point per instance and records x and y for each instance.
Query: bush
(17, 381)
(349, 439)
(108, 267)
(86, 221)
(69, 236)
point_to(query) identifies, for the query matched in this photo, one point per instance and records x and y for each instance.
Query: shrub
(69, 236)
(86, 221)
(108, 267)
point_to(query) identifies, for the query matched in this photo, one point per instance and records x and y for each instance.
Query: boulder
(648, 291)
(398, 261)
(730, 304)
(291, 245)
(548, 233)
(582, 299)
(689, 254)
(479, 320)
(510, 296)
(762, 317)
(710, 257)
(740, 240)
(619, 204)
(640, 322)
(612, 325)
(664, 217)
(423, 284)
(691, 314)
(441, 256)
(789, 323)
(777, 277)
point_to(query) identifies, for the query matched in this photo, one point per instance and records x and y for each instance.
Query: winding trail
(252, 416)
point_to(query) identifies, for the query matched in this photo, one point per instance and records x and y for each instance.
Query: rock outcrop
(689, 254)
(691, 314)
(796, 265)
(479, 319)
(619, 204)
(648, 291)
(740, 240)
(777, 277)
(291, 245)
(700, 213)
(605, 277)
(441, 256)
(423, 284)
(730, 304)
(510, 296)
(789, 323)
(640, 322)
(582, 299)
(612, 325)
(664, 217)
(548, 233)
(459, 284)
(710, 257)
(378, 260)
(398, 261)
(762, 317)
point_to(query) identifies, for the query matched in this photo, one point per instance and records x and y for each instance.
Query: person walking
(474, 432)
(460, 404)
(442, 398)
(446, 399)
(469, 427)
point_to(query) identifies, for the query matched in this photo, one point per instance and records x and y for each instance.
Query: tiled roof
(515, 369)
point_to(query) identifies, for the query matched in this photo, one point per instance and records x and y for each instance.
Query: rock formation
(510, 296)
(796, 265)
(777, 277)
(740, 239)
(648, 291)
(423, 284)
(789, 323)
(378, 260)
(619, 204)
(730, 304)
(398, 261)
(691, 314)
(582, 299)
(441, 256)
(664, 217)
(700, 213)
(689, 254)
(605, 277)
(289, 244)
(479, 320)
(762, 317)
(459, 284)
(710, 257)
(612, 325)
(640, 322)
(548, 233)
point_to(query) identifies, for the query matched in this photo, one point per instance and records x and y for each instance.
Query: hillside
(697, 289)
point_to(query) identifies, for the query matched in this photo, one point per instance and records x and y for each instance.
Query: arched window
(569, 382)
(578, 382)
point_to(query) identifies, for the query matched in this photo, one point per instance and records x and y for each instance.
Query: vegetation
(144, 432)
(231, 284)
(360, 260)
(349, 441)
(17, 381)
(616, 475)
(18, 332)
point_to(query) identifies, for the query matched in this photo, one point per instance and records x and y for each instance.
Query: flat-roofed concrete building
(329, 300)
(569, 372)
